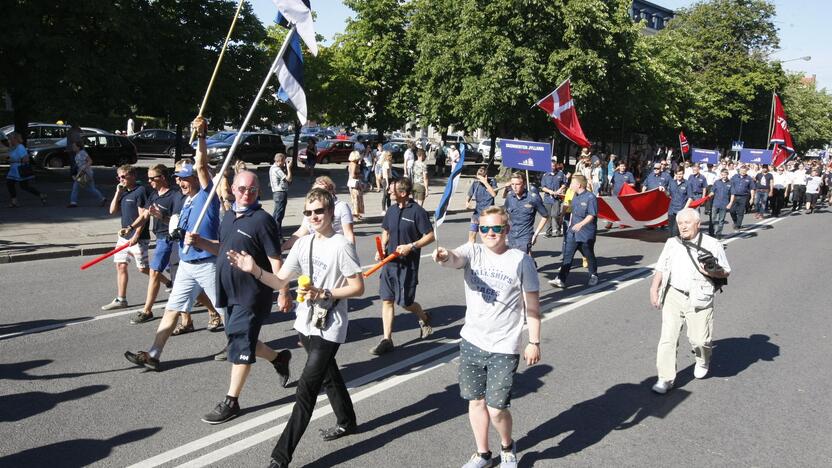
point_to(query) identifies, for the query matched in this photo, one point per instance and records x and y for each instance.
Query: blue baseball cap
(187, 170)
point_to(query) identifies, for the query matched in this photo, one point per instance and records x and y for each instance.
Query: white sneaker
(662, 386)
(557, 283)
(116, 304)
(509, 459)
(477, 461)
(593, 280)
(700, 371)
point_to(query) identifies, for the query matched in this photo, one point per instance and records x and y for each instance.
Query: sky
(800, 22)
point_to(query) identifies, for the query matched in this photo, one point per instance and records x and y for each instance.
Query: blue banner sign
(699, 155)
(526, 155)
(755, 156)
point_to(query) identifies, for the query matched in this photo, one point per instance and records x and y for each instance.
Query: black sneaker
(281, 365)
(142, 359)
(383, 347)
(276, 464)
(337, 432)
(222, 355)
(224, 411)
(141, 317)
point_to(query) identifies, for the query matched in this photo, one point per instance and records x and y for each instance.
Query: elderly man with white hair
(691, 268)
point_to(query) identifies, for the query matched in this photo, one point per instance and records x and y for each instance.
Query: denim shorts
(161, 255)
(242, 326)
(191, 279)
(486, 375)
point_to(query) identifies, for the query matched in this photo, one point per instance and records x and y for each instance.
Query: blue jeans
(570, 245)
(760, 200)
(280, 201)
(76, 187)
(719, 220)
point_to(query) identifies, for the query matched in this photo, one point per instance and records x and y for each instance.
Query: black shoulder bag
(707, 259)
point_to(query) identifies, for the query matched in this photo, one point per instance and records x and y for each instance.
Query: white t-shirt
(334, 259)
(813, 184)
(780, 181)
(493, 296)
(710, 177)
(798, 177)
(343, 215)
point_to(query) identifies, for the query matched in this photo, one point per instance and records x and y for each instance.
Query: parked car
(397, 147)
(254, 148)
(302, 142)
(105, 149)
(367, 139)
(471, 153)
(336, 151)
(484, 148)
(158, 141)
(38, 135)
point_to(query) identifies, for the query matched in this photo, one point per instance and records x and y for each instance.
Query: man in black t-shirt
(128, 200)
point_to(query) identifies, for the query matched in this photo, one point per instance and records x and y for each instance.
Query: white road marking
(571, 303)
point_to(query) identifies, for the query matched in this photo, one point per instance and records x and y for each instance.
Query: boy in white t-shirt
(498, 281)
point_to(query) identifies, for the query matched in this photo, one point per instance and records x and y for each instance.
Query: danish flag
(635, 209)
(561, 108)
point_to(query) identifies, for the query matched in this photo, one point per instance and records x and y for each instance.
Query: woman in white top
(386, 176)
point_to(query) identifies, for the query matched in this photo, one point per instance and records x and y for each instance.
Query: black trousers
(738, 210)
(320, 370)
(798, 196)
(778, 200)
(570, 246)
(672, 228)
(11, 185)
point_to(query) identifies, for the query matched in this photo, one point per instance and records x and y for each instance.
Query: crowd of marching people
(236, 259)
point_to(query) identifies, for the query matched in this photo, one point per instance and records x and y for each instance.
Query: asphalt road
(69, 398)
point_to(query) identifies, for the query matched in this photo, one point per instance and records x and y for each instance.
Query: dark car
(397, 148)
(105, 149)
(336, 151)
(254, 148)
(160, 142)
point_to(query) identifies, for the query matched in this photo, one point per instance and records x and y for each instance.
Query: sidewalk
(35, 232)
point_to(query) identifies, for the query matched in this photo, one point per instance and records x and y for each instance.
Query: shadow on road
(422, 415)
(72, 453)
(25, 405)
(19, 371)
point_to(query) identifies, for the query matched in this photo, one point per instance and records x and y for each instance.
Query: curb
(30, 256)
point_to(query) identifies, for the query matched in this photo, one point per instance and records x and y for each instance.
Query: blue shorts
(475, 222)
(398, 284)
(242, 326)
(161, 255)
(486, 375)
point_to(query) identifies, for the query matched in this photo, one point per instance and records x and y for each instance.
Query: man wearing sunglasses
(128, 200)
(523, 207)
(498, 280)
(246, 227)
(406, 229)
(197, 270)
(580, 234)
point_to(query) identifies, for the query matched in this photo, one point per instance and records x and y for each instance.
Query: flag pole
(239, 135)
(771, 120)
(550, 93)
(681, 149)
(217, 67)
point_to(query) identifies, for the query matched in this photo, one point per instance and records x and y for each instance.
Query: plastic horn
(105, 256)
(379, 248)
(380, 264)
(303, 281)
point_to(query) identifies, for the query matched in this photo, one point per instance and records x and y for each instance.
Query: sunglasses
(119, 177)
(498, 229)
(317, 211)
(157, 177)
(244, 190)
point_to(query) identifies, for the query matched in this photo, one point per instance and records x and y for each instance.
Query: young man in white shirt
(498, 281)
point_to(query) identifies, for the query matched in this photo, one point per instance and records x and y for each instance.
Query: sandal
(214, 323)
(182, 329)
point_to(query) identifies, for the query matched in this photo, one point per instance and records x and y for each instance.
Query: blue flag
(290, 76)
(450, 188)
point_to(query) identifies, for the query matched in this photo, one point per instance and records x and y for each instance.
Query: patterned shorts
(488, 375)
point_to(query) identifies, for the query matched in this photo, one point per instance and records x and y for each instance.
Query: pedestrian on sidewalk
(129, 199)
(405, 229)
(689, 270)
(355, 185)
(331, 262)
(248, 302)
(197, 267)
(421, 184)
(280, 177)
(20, 171)
(497, 305)
(83, 177)
(378, 160)
(580, 233)
(386, 179)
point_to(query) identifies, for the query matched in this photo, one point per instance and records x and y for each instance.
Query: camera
(177, 234)
(709, 262)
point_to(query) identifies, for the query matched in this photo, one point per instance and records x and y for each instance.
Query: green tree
(809, 111)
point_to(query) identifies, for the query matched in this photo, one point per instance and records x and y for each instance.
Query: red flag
(561, 108)
(683, 143)
(700, 201)
(780, 135)
(779, 156)
(631, 208)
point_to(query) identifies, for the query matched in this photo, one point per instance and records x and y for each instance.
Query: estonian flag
(300, 13)
(290, 77)
(450, 188)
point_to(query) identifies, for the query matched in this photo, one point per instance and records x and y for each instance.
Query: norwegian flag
(780, 135)
(561, 108)
(779, 156)
(683, 143)
(635, 209)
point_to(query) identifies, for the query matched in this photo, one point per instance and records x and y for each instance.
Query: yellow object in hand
(303, 281)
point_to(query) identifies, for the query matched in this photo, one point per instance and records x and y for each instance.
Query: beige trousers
(677, 312)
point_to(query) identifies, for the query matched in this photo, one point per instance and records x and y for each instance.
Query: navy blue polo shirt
(697, 183)
(479, 194)
(552, 181)
(678, 191)
(254, 232)
(656, 180)
(522, 212)
(406, 226)
(722, 193)
(167, 204)
(129, 204)
(209, 229)
(619, 180)
(763, 181)
(583, 205)
(741, 186)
